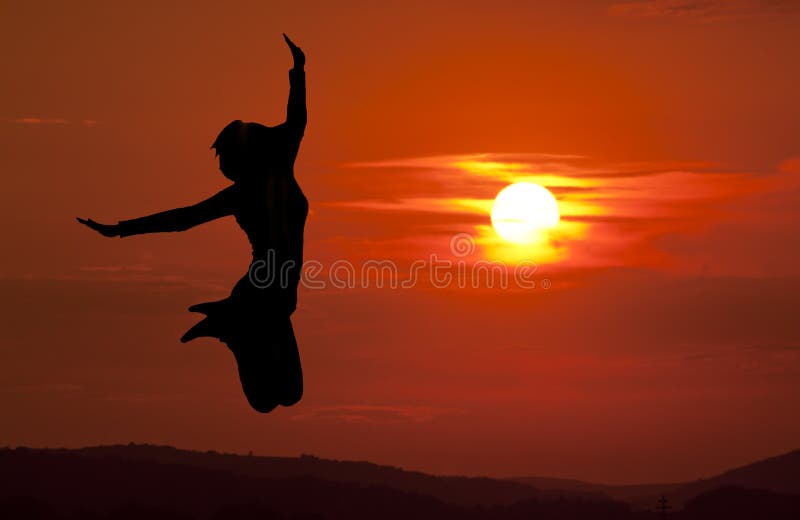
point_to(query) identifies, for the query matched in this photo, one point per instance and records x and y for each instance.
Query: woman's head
(230, 147)
(245, 149)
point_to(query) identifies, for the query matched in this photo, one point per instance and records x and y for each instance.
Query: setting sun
(522, 210)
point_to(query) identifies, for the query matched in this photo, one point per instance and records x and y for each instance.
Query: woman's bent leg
(292, 374)
(269, 364)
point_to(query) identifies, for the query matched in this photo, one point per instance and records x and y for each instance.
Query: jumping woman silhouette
(268, 204)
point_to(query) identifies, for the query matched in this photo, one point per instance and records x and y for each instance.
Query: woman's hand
(107, 230)
(297, 53)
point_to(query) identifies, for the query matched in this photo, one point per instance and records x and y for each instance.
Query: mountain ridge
(776, 474)
(155, 482)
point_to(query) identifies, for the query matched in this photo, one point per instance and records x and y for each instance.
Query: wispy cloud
(39, 121)
(705, 10)
(138, 275)
(47, 388)
(120, 268)
(612, 214)
(49, 121)
(143, 398)
(375, 414)
(777, 347)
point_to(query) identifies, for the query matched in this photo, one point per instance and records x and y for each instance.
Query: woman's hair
(245, 148)
(230, 140)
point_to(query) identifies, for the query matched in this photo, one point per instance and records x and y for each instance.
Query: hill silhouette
(141, 481)
(780, 474)
(777, 474)
(464, 491)
(640, 496)
(736, 502)
(162, 482)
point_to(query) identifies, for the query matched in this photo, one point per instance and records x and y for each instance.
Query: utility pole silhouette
(663, 506)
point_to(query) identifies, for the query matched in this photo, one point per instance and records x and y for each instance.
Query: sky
(655, 337)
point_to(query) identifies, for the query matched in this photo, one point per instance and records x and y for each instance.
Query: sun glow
(522, 211)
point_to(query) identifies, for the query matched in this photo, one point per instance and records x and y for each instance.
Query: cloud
(511, 166)
(790, 165)
(143, 398)
(375, 414)
(56, 388)
(121, 268)
(40, 121)
(611, 213)
(777, 347)
(48, 121)
(706, 10)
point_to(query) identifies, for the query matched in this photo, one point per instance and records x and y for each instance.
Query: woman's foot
(202, 329)
(207, 307)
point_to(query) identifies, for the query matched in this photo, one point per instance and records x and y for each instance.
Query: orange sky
(666, 346)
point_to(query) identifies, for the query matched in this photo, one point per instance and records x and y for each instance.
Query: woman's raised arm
(296, 114)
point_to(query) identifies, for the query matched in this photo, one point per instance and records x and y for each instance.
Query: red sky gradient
(667, 346)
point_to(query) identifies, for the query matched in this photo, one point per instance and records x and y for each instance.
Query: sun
(522, 211)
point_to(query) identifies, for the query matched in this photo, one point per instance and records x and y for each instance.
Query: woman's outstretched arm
(179, 219)
(296, 115)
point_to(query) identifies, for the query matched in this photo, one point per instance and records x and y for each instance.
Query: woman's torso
(272, 212)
